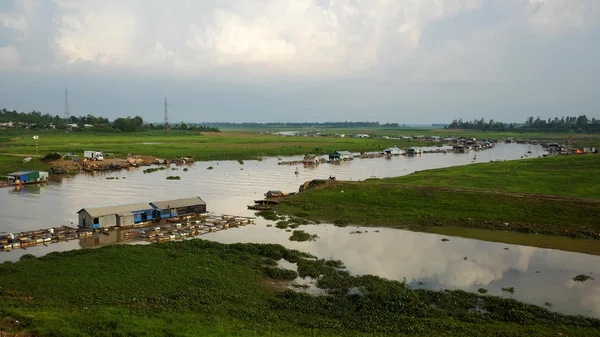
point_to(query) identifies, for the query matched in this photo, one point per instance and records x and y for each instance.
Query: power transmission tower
(66, 116)
(167, 126)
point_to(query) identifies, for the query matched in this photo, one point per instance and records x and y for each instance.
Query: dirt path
(514, 194)
(19, 155)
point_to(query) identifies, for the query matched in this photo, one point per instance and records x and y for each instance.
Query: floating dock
(171, 230)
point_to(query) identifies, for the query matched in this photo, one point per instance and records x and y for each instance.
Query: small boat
(259, 207)
(277, 193)
(297, 172)
(266, 202)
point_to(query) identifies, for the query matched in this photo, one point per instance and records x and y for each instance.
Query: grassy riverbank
(203, 288)
(232, 144)
(201, 146)
(553, 196)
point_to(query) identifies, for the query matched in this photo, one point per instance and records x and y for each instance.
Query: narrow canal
(539, 276)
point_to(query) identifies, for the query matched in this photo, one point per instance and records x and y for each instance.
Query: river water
(423, 260)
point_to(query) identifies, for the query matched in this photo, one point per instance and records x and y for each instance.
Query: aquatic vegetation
(229, 291)
(482, 291)
(270, 262)
(173, 178)
(299, 235)
(581, 278)
(268, 215)
(154, 169)
(281, 274)
(241, 162)
(185, 169)
(110, 178)
(209, 168)
(445, 240)
(282, 224)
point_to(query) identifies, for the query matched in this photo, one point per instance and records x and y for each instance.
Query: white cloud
(555, 16)
(306, 36)
(12, 21)
(9, 58)
(324, 38)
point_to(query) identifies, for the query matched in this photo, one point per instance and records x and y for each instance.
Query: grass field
(552, 196)
(206, 146)
(203, 288)
(573, 176)
(230, 144)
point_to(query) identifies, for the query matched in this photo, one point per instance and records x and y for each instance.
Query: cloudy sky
(406, 61)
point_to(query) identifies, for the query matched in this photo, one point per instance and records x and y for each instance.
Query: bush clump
(280, 274)
(302, 236)
(173, 178)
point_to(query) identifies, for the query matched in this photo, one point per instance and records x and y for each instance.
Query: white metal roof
(116, 209)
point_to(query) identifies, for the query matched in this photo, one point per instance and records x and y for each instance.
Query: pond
(423, 260)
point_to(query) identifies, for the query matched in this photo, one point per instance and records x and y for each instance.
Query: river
(539, 276)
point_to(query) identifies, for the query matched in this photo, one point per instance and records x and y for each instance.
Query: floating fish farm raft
(170, 230)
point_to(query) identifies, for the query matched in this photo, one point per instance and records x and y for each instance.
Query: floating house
(311, 160)
(361, 135)
(28, 176)
(340, 155)
(130, 214)
(411, 151)
(117, 215)
(178, 207)
(393, 151)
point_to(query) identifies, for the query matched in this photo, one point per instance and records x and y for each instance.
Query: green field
(573, 176)
(203, 288)
(230, 144)
(204, 147)
(564, 201)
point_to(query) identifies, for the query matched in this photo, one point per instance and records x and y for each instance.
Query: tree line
(564, 124)
(35, 120)
(339, 125)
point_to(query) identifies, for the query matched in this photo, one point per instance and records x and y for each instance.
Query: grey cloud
(405, 61)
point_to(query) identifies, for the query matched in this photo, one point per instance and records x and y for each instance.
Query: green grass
(468, 205)
(202, 288)
(574, 176)
(9, 164)
(235, 144)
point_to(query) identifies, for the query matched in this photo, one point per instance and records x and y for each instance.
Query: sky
(399, 61)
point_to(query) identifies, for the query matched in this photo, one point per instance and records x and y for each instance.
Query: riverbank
(211, 289)
(557, 196)
(200, 146)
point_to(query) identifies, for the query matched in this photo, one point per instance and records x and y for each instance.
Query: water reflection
(423, 260)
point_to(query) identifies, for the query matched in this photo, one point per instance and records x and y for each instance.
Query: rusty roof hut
(117, 215)
(178, 207)
(311, 160)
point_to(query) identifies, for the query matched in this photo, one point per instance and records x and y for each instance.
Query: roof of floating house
(21, 173)
(177, 203)
(116, 209)
(343, 153)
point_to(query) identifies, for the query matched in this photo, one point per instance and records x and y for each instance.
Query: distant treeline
(339, 125)
(35, 120)
(563, 124)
